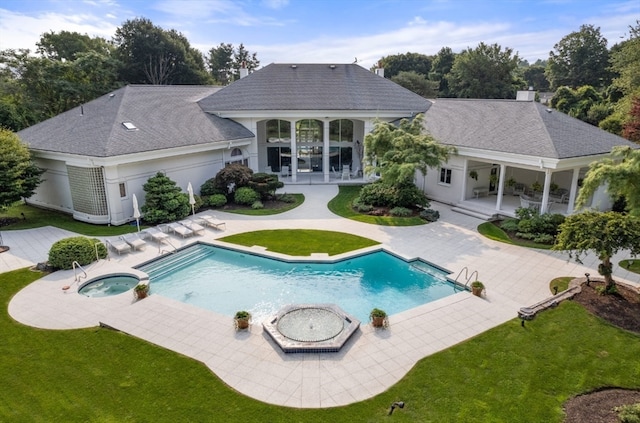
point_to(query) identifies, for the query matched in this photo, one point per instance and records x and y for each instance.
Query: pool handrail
(75, 264)
(468, 278)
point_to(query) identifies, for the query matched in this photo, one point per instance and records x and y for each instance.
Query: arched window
(341, 130)
(308, 130)
(278, 131)
(236, 157)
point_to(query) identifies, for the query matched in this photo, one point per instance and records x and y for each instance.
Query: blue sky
(330, 31)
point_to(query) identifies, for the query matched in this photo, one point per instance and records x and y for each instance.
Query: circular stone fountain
(311, 328)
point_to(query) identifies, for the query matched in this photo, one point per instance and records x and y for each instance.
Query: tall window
(445, 176)
(278, 131)
(341, 130)
(308, 130)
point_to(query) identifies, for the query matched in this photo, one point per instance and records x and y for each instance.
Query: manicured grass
(341, 205)
(301, 242)
(508, 374)
(632, 265)
(266, 212)
(36, 217)
(562, 283)
(493, 232)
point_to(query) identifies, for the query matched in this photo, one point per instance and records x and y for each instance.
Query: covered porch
(485, 207)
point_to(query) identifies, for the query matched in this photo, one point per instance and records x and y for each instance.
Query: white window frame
(445, 177)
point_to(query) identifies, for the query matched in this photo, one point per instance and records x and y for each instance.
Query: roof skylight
(130, 126)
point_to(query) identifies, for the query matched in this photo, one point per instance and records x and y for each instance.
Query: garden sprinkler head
(399, 404)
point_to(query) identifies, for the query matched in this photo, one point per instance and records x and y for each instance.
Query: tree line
(590, 81)
(69, 68)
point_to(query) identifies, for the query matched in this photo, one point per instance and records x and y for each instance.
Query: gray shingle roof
(165, 117)
(314, 87)
(518, 127)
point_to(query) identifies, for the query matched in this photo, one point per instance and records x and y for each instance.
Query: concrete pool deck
(372, 360)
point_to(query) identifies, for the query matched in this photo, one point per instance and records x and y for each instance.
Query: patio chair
(212, 221)
(118, 245)
(346, 173)
(179, 229)
(194, 226)
(155, 234)
(134, 241)
(284, 171)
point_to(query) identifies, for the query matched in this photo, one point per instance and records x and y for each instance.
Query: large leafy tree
(584, 103)
(535, 77)
(440, 68)
(406, 62)
(580, 58)
(486, 71)
(152, 55)
(19, 176)
(604, 234)
(66, 45)
(620, 172)
(164, 201)
(418, 83)
(631, 129)
(397, 152)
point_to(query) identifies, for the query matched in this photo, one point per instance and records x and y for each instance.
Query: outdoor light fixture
(588, 280)
(399, 404)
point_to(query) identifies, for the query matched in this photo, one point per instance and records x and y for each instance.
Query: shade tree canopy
(603, 234)
(19, 176)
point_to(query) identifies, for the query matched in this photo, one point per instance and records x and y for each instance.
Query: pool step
(173, 262)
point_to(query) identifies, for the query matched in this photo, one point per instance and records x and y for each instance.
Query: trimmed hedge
(246, 196)
(80, 248)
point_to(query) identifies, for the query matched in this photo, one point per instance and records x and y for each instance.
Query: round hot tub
(106, 286)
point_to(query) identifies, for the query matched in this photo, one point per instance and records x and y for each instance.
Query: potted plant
(141, 291)
(378, 318)
(536, 186)
(476, 288)
(473, 175)
(553, 187)
(242, 319)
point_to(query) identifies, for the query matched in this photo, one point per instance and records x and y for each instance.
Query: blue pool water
(107, 286)
(226, 281)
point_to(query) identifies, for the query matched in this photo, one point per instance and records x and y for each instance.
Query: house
(303, 121)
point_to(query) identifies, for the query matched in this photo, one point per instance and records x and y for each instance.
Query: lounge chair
(118, 245)
(212, 221)
(134, 241)
(194, 226)
(156, 234)
(179, 229)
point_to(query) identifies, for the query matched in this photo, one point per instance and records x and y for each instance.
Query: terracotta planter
(141, 294)
(477, 290)
(377, 322)
(242, 323)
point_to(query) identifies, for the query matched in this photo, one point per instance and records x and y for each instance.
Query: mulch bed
(622, 310)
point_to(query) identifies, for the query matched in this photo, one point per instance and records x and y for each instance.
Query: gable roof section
(517, 127)
(314, 87)
(164, 117)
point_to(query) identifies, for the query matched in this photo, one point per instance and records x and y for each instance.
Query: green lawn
(493, 232)
(508, 374)
(632, 265)
(301, 242)
(341, 205)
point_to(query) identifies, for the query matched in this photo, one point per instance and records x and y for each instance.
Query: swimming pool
(225, 281)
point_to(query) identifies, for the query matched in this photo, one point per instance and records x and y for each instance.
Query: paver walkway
(372, 360)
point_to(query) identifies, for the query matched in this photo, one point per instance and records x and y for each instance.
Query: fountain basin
(303, 328)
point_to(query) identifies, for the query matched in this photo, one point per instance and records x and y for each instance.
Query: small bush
(364, 208)
(257, 205)
(246, 196)
(80, 248)
(209, 188)
(509, 225)
(287, 198)
(216, 200)
(265, 184)
(400, 212)
(430, 215)
(628, 413)
(199, 202)
(384, 195)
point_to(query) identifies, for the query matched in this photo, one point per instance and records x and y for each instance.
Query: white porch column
(465, 173)
(500, 186)
(573, 191)
(294, 153)
(544, 207)
(325, 151)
